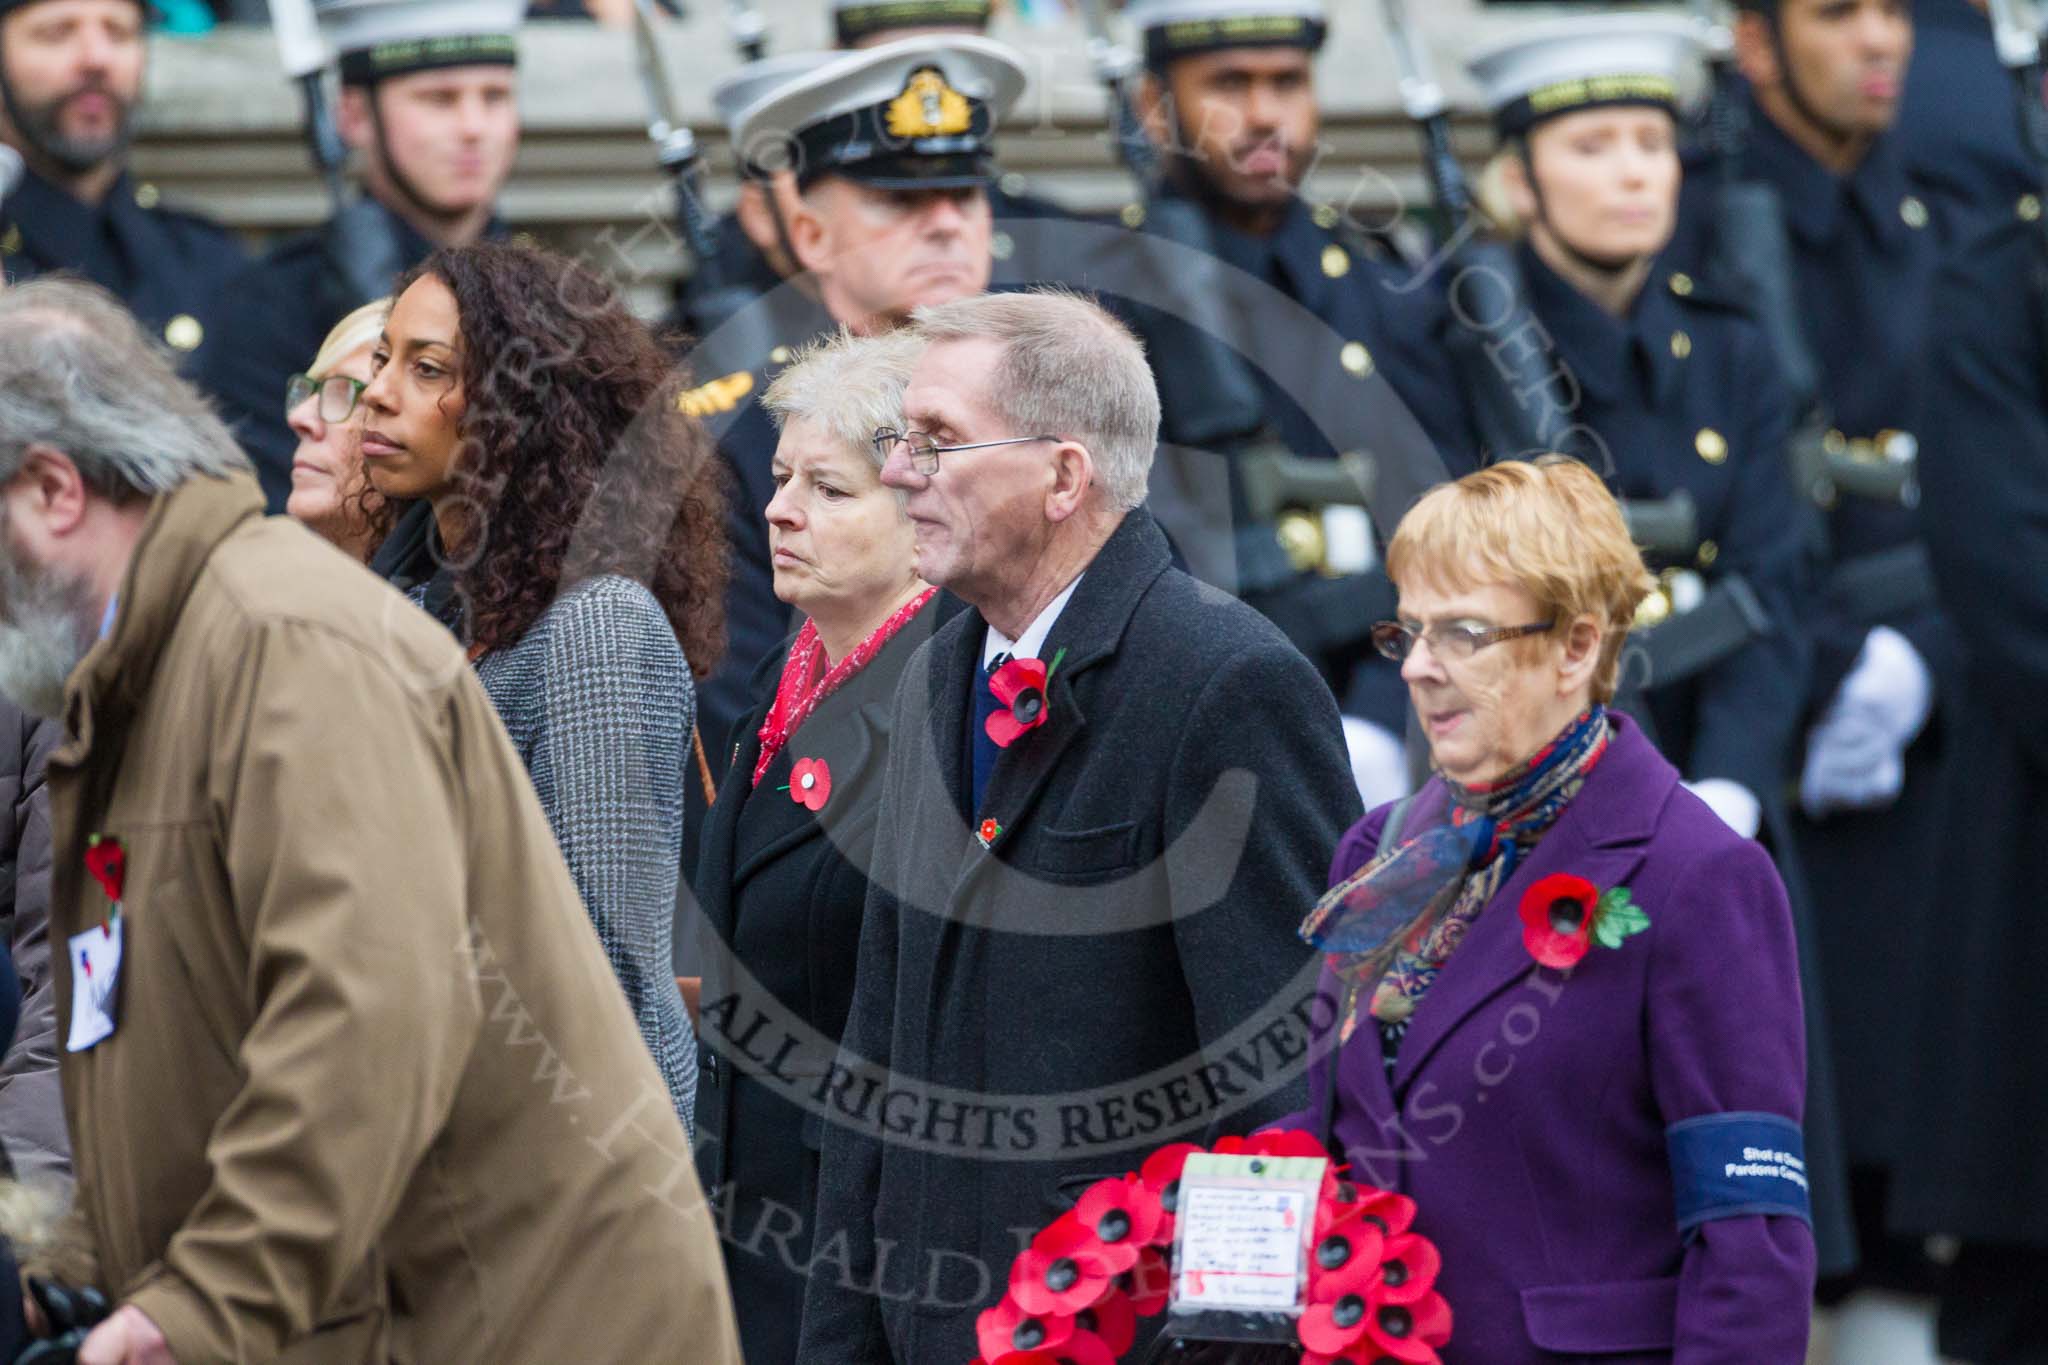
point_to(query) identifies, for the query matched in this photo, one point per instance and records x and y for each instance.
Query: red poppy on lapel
(1557, 919)
(1123, 1215)
(810, 783)
(989, 832)
(1564, 916)
(106, 861)
(1020, 685)
(1064, 1270)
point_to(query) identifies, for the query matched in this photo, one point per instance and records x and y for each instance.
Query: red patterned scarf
(806, 682)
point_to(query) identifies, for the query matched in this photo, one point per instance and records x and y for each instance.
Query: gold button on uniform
(1913, 211)
(1655, 609)
(1013, 184)
(1357, 361)
(1301, 540)
(1711, 444)
(2030, 208)
(1325, 216)
(1002, 246)
(1681, 283)
(147, 196)
(1336, 261)
(1709, 552)
(1681, 345)
(1133, 215)
(184, 332)
(780, 355)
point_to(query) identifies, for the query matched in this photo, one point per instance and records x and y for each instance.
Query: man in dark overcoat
(1111, 788)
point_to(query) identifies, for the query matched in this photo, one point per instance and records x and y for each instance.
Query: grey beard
(43, 635)
(74, 156)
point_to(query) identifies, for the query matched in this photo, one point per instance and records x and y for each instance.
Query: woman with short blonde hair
(1544, 526)
(1562, 996)
(330, 492)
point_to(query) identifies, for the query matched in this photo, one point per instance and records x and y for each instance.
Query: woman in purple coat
(1566, 1000)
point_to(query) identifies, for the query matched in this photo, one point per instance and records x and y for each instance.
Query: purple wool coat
(1527, 1116)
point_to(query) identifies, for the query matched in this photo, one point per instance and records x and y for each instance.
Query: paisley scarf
(1390, 927)
(806, 682)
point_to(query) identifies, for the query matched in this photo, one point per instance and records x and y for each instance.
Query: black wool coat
(1099, 959)
(780, 894)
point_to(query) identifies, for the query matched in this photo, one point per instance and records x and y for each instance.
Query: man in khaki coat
(371, 1092)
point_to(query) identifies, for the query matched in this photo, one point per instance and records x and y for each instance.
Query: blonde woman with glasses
(329, 493)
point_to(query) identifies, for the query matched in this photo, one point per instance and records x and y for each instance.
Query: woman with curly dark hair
(574, 520)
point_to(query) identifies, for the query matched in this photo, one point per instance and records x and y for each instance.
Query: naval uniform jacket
(781, 891)
(168, 267)
(1686, 397)
(1974, 1168)
(1151, 849)
(273, 316)
(1958, 125)
(1345, 344)
(1865, 249)
(1528, 1110)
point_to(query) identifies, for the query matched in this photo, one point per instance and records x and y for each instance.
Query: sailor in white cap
(753, 239)
(1340, 340)
(430, 105)
(1675, 390)
(71, 80)
(889, 153)
(1237, 79)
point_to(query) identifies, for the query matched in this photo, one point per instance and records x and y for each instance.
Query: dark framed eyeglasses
(924, 451)
(1396, 639)
(338, 395)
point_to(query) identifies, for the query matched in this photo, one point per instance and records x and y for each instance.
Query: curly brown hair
(574, 460)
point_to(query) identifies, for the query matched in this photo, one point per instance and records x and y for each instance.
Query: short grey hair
(1068, 369)
(851, 386)
(79, 374)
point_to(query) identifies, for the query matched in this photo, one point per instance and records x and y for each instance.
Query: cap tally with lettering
(1587, 62)
(377, 39)
(856, 21)
(1183, 28)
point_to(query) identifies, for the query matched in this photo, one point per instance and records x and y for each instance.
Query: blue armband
(1737, 1165)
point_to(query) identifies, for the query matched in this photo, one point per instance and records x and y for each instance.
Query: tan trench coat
(375, 1094)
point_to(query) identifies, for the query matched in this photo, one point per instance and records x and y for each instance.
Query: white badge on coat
(95, 979)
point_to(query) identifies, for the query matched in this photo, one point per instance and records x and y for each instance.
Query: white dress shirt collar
(1032, 641)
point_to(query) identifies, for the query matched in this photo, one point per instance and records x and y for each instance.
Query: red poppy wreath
(1075, 1294)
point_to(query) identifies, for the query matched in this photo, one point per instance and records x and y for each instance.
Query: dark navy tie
(983, 749)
